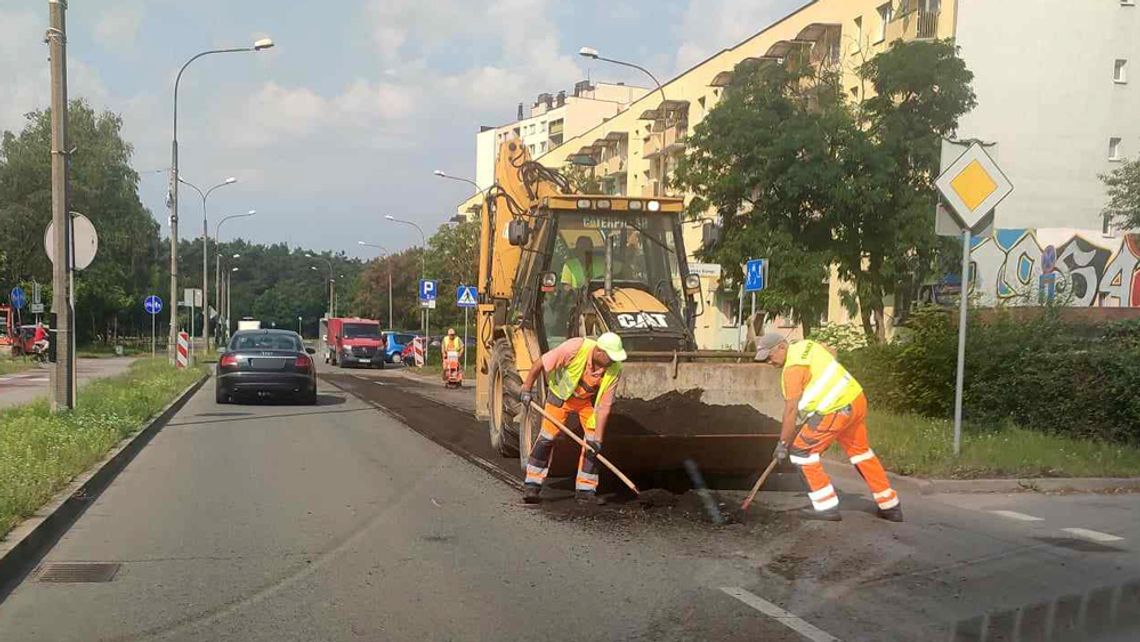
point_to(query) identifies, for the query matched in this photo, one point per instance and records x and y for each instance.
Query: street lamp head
(312, 267)
(389, 217)
(234, 269)
(361, 243)
(440, 173)
(264, 43)
(588, 52)
(229, 181)
(251, 213)
(236, 256)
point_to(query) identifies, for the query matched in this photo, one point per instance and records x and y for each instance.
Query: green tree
(103, 187)
(794, 169)
(1123, 183)
(372, 295)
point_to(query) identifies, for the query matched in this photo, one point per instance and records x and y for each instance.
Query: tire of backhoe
(503, 366)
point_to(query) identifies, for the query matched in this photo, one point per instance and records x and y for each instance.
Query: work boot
(532, 494)
(829, 515)
(892, 514)
(589, 497)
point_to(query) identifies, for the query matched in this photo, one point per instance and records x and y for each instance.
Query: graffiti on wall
(1076, 267)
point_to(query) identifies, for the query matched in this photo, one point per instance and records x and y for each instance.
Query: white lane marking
(1016, 515)
(780, 615)
(380, 383)
(1095, 536)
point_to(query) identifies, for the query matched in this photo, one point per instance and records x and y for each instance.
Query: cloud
(118, 27)
(24, 66)
(711, 25)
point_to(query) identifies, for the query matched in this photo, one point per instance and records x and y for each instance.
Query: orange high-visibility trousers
(848, 426)
(538, 464)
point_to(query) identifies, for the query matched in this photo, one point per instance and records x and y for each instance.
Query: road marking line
(1095, 536)
(1016, 515)
(780, 615)
(380, 383)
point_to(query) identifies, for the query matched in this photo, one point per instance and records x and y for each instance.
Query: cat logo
(643, 320)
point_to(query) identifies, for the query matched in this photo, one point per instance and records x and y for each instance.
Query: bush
(1039, 373)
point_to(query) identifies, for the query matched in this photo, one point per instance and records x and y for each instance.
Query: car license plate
(364, 360)
(267, 364)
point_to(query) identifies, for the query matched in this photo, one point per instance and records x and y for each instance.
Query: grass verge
(10, 366)
(923, 447)
(40, 453)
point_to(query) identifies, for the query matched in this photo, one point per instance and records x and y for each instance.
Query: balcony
(672, 142)
(914, 24)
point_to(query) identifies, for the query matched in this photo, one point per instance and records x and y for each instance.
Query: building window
(886, 12)
(1114, 149)
(531, 149)
(858, 33)
(1120, 71)
(542, 147)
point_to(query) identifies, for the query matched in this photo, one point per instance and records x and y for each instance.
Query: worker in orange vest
(822, 397)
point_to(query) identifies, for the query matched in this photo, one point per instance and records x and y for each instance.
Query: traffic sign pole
(153, 343)
(963, 306)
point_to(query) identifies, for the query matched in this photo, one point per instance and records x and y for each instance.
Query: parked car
(266, 364)
(397, 342)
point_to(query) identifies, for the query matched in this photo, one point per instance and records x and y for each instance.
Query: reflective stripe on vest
(564, 381)
(831, 387)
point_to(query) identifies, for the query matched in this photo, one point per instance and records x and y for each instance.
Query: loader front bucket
(724, 416)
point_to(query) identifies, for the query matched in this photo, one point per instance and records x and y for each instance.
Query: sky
(345, 119)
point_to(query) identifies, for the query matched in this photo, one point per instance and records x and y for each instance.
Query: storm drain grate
(77, 572)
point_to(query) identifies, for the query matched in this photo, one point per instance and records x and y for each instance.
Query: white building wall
(1043, 74)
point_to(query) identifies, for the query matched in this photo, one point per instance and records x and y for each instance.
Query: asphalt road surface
(381, 515)
(29, 385)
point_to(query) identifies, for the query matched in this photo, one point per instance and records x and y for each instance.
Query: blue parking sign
(428, 290)
(755, 275)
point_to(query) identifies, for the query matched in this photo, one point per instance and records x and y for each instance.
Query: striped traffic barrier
(183, 350)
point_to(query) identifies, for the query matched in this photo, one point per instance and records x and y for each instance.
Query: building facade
(1055, 132)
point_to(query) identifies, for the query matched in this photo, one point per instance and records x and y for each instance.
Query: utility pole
(62, 384)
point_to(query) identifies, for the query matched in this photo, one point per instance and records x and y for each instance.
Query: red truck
(354, 342)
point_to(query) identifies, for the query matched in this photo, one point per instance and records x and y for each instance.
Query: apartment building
(551, 120)
(1053, 93)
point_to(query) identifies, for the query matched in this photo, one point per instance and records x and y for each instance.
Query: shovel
(582, 442)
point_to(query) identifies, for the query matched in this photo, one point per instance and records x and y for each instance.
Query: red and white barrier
(183, 359)
(418, 345)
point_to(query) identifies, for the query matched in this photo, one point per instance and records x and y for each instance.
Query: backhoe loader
(553, 265)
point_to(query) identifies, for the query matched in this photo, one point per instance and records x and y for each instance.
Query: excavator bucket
(722, 415)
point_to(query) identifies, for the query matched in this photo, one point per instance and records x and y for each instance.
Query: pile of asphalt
(684, 413)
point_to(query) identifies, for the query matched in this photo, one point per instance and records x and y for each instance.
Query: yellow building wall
(695, 86)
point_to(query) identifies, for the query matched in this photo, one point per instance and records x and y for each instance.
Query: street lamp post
(206, 254)
(224, 303)
(260, 45)
(218, 264)
(228, 297)
(423, 266)
(384, 253)
(332, 282)
(590, 52)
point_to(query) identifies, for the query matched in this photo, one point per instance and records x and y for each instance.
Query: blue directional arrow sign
(152, 304)
(428, 290)
(755, 275)
(466, 297)
(16, 298)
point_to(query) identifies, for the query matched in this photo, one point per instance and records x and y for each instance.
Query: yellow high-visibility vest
(564, 381)
(831, 387)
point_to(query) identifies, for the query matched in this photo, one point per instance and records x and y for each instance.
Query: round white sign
(85, 241)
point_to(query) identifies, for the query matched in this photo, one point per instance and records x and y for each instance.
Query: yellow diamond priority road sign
(973, 185)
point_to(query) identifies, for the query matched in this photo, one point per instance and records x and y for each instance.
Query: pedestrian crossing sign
(465, 296)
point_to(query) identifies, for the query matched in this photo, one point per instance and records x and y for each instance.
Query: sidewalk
(25, 387)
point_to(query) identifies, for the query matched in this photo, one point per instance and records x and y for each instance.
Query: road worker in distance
(822, 397)
(580, 376)
(451, 343)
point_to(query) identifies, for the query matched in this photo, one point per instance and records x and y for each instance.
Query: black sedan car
(266, 364)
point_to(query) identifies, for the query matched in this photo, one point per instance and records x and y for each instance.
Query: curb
(29, 541)
(921, 486)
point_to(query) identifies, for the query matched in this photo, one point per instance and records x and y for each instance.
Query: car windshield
(265, 342)
(360, 330)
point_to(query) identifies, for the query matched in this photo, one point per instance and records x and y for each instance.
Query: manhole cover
(76, 572)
